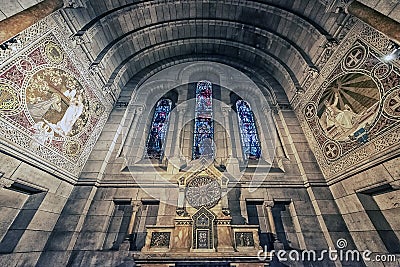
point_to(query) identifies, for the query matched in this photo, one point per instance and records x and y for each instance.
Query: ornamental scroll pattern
(351, 113)
(48, 108)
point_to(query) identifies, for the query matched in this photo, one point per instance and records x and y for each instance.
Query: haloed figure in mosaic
(158, 129)
(248, 131)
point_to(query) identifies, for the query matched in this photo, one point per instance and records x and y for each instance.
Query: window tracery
(203, 129)
(158, 130)
(248, 131)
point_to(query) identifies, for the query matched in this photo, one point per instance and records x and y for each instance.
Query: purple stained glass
(203, 128)
(159, 127)
(248, 131)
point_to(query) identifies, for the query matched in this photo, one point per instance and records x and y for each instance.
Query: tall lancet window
(159, 127)
(203, 128)
(248, 131)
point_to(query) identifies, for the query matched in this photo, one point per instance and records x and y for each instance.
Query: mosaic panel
(47, 108)
(353, 105)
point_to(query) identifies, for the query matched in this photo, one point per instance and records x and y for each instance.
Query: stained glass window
(248, 131)
(203, 128)
(159, 127)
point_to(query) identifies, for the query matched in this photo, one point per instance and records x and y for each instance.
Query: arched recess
(221, 49)
(181, 79)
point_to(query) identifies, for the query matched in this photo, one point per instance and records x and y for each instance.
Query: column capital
(269, 203)
(138, 109)
(136, 204)
(181, 109)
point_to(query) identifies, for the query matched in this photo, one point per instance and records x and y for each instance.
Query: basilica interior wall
(72, 202)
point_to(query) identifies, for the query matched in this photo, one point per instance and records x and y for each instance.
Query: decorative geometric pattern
(354, 57)
(158, 129)
(203, 191)
(203, 143)
(391, 104)
(248, 131)
(160, 239)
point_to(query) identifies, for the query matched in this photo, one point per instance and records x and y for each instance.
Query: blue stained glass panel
(159, 127)
(203, 128)
(248, 131)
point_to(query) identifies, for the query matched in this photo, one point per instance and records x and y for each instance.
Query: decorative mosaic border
(14, 138)
(353, 156)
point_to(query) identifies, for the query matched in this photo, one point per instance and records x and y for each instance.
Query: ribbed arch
(108, 12)
(270, 88)
(183, 48)
(261, 36)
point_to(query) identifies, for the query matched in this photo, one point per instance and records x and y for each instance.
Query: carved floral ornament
(203, 191)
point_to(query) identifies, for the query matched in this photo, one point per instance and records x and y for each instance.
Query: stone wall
(31, 203)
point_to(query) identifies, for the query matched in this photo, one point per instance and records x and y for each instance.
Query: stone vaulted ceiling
(275, 42)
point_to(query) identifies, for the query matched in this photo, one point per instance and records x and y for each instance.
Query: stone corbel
(313, 72)
(95, 68)
(395, 185)
(78, 40)
(337, 6)
(75, 3)
(5, 182)
(299, 90)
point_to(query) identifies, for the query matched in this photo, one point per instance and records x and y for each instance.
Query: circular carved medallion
(203, 191)
(72, 147)
(382, 70)
(391, 105)
(54, 53)
(310, 110)
(355, 57)
(9, 99)
(25, 65)
(331, 150)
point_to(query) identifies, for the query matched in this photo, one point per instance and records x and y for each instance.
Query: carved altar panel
(203, 230)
